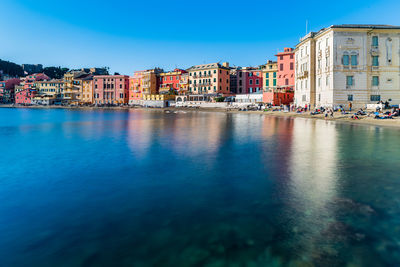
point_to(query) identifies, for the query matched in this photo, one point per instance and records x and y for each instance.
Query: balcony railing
(202, 75)
(202, 84)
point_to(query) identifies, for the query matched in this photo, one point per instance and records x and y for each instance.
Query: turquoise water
(145, 188)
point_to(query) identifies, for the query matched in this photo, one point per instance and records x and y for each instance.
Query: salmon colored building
(135, 88)
(111, 89)
(282, 90)
(286, 68)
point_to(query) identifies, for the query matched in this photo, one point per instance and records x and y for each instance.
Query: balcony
(202, 84)
(374, 50)
(202, 76)
(302, 74)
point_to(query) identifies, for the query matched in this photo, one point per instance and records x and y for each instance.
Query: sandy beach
(338, 117)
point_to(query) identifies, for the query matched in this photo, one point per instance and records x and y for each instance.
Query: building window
(375, 80)
(267, 75)
(281, 67)
(375, 41)
(375, 98)
(349, 80)
(375, 61)
(349, 97)
(274, 75)
(345, 59)
(286, 81)
(354, 60)
(257, 81)
(267, 82)
(291, 65)
(274, 82)
(250, 82)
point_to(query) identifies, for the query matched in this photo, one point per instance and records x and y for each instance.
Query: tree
(11, 68)
(55, 72)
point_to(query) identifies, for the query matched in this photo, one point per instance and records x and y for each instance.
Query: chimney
(225, 64)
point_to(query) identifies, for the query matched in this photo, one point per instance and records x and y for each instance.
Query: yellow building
(73, 88)
(149, 81)
(86, 96)
(269, 73)
(52, 88)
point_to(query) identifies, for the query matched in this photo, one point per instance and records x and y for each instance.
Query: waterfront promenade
(338, 117)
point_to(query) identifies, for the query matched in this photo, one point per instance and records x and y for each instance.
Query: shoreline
(338, 117)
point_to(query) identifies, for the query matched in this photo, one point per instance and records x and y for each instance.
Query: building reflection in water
(312, 182)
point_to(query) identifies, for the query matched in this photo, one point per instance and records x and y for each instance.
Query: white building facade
(358, 64)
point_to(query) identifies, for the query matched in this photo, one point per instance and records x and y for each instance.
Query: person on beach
(350, 106)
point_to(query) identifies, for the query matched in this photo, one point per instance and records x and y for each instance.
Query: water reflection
(145, 188)
(312, 185)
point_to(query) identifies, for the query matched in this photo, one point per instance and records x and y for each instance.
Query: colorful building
(250, 80)
(48, 92)
(135, 88)
(170, 82)
(87, 90)
(29, 80)
(73, 87)
(271, 94)
(150, 81)
(286, 70)
(7, 93)
(24, 96)
(111, 89)
(184, 84)
(211, 79)
(269, 73)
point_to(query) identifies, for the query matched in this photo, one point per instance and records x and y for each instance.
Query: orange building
(135, 88)
(209, 79)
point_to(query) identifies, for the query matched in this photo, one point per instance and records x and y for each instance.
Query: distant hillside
(11, 68)
(55, 72)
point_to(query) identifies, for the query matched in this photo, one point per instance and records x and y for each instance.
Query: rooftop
(365, 26)
(207, 66)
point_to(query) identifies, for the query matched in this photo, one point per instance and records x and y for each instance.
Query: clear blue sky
(133, 35)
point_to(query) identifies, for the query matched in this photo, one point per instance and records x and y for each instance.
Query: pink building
(249, 81)
(31, 79)
(7, 90)
(24, 96)
(286, 69)
(111, 89)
